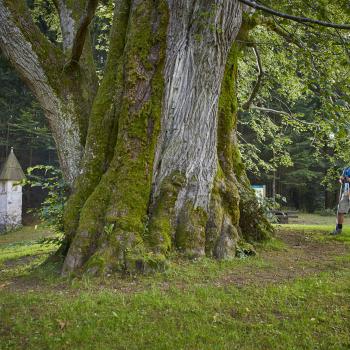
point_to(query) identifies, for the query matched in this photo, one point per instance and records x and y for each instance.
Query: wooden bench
(284, 216)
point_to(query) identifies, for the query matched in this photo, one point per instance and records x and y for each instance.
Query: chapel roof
(11, 170)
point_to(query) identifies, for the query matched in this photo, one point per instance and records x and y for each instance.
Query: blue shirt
(346, 172)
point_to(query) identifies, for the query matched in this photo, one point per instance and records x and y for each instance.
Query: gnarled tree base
(170, 177)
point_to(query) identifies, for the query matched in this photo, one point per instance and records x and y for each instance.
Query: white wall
(10, 205)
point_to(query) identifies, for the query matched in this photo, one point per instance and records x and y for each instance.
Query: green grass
(313, 223)
(22, 250)
(189, 306)
(321, 229)
(25, 234)
(307, 314)
(314, 219)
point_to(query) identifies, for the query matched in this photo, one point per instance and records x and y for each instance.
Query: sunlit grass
(25, 234)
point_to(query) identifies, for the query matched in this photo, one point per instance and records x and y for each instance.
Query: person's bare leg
(340, 218)
(339, 224)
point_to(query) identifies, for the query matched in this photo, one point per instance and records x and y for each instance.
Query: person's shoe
(337, 231)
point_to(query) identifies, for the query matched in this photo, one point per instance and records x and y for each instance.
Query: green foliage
(46, 17)
(297, 127)
(22, 123)
(270, 204)
(100, 33)
(50, 180)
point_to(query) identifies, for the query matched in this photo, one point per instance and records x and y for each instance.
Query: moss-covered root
(190, 231)
(123, 252)
(222, 227)
(91, 225)
(195, 231)
(160, 232)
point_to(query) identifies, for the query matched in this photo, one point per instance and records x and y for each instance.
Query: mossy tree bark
(161, 169)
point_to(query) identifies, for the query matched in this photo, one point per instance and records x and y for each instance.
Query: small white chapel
(10, 194)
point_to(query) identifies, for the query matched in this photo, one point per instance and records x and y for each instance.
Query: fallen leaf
(62, 324)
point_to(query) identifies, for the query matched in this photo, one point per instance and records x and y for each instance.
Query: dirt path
(303, 256)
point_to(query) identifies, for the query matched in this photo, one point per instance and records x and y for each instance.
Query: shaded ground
(315, 219)
(298, 255)
(303, 256)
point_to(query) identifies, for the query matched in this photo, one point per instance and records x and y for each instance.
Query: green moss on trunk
(190, 231)
(234, 213)
(160, 233)
(103, 119)
(122, 196)
(228, 152)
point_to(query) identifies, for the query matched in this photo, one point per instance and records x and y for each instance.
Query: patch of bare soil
(21, 261)
(303, 257)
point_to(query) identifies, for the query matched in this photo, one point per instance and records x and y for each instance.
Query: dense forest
(161, 112)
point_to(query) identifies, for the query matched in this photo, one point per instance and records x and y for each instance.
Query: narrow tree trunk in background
(274, 185)
(162, 169)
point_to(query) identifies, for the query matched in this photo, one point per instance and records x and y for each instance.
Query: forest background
(294, 105)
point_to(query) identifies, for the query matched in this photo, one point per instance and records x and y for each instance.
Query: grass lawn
(295, 294)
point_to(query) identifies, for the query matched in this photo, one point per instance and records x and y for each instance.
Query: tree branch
(22, 42)
(274, 111)
(256, 88)
(270, 110)
(34, 60)
(79, 39)
(294, 18)
(276, 27)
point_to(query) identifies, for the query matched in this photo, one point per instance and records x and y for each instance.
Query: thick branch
(20, 38)
(273, 25)
(274, 111)
(270, 110)
(294, 18)
(79, 40)
(38, 63)
(258, 82)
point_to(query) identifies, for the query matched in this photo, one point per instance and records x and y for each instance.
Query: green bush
(326, 212)
(51, 180)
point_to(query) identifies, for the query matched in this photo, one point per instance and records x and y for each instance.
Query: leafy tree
(49, 179)
(151, 148)
(295, 100)
(22, 122)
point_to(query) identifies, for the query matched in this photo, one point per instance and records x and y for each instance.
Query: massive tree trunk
(161, 169)
(174, 178)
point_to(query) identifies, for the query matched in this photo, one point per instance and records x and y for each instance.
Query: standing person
(344, 200)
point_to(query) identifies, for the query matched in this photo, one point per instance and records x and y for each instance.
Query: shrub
(51, 180)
